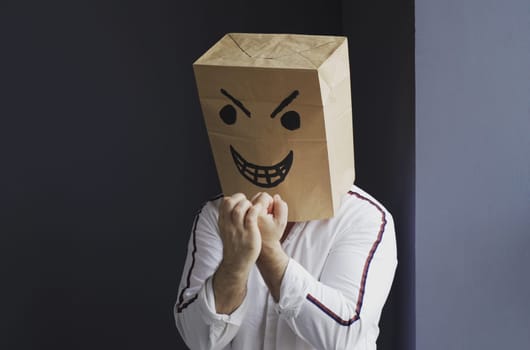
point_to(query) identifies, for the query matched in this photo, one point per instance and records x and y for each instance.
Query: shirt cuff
(296, 284)
(209, 313)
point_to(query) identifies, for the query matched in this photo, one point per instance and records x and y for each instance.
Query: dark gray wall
(473, 174)
(381, 41)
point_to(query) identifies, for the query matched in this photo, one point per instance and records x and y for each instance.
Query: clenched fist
(238, 226)
(272, 221)
(272, 218)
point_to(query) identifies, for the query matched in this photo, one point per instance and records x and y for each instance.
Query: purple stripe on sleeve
(366, 267)
(181, 302)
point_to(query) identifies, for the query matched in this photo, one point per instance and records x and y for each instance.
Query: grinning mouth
(263, 176)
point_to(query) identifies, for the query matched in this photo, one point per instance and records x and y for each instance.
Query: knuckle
(252, 210)
(237, 214)
(268, 196)
(238, 211)
(255, 197)
(238, 196)
(249, 219)
(265, 199)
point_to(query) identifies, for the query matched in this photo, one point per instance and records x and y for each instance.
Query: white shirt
(336, 283)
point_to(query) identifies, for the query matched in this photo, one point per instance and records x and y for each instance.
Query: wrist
(233, 272)
(229, 287)
(271, 247)
(272, 265)
(272, 254)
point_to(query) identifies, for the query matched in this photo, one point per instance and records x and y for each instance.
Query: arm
(272, 261)
(209, 309)
(341, 308)
(241, 245)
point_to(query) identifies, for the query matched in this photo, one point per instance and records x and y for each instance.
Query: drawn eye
(228, 114)
(291, 120)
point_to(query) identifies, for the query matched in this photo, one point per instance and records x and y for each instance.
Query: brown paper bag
(278, 112)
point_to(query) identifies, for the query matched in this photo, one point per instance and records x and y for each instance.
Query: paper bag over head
(278, 112)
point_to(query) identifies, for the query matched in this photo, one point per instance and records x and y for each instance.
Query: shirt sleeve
(195, 315)
(340, 309)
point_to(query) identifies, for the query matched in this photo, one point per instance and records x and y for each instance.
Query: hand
(272, 218)
(272, 221)
(238, 227)
(239, 232)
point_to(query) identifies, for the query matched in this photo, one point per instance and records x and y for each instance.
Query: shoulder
(212, 204)
(361, 212)
(358, 202)
(209, 210)
(362, 218)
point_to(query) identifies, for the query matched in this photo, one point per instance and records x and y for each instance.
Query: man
(256, 275)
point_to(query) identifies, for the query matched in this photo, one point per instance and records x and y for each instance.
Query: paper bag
(277, 108)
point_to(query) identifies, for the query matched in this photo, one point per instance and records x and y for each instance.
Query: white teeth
(263, 176)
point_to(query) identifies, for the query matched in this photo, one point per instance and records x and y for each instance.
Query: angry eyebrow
(285, 102)
(236, 102)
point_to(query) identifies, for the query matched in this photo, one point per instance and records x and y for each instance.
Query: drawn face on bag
(268, 132)
(265, 176)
